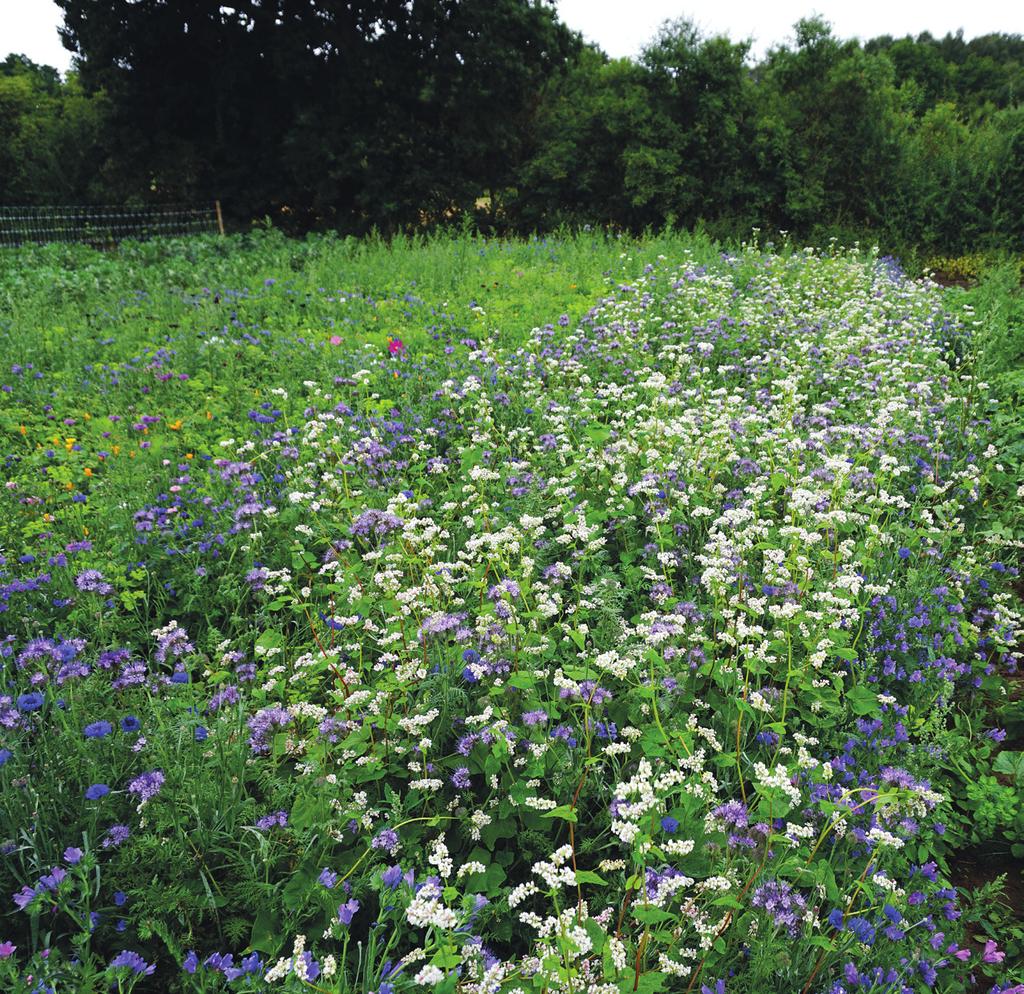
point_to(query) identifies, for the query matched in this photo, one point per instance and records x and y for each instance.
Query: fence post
(220, 218)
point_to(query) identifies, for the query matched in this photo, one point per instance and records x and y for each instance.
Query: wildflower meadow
(564, 616)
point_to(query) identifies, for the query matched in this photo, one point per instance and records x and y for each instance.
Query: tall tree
(379, 108)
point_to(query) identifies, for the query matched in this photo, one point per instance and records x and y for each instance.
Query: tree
(370, 110)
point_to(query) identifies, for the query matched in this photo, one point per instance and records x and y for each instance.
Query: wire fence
(101, 226)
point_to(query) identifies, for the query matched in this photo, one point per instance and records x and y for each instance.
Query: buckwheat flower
(133, 961)
(347, 911)
(429, 976)
(98, 730)
(96, 791)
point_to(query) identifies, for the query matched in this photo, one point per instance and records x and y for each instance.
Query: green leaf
(266, 932)
(563, 811)
(862, 701)
(651, 916)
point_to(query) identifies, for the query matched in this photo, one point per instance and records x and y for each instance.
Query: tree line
(394, 114)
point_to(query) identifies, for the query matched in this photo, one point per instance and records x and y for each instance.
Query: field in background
(573, 612)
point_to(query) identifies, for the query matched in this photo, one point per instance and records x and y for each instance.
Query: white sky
(622, 27)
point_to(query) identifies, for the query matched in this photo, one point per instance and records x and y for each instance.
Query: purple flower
(392, 877)
(73, 855)
(262, 725)
(387, 839)
(26, 896)
(116, 836)
(191, 961)
(98, 730)
(133, 961)
(347, 911)
(669, 825)
(460, 778)
(92, 581)
(784, 905)
(120, 898)
(277, 818)
(129, 723)
(6, 949)
(328, 878)
(147, 785)
(96, 791)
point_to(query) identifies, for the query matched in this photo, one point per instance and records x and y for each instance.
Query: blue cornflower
(96, 791)
(98, 730)
(32, 701)
(129, 723)
(202, 733)
(669, 824)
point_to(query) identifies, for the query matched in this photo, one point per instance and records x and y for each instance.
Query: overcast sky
(622, 27)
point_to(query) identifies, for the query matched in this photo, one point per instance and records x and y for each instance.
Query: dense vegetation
(545, 616)
(394, 114)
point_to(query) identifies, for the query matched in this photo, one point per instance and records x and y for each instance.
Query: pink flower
(395, 345)
(991, 954)
(335, 339)
(6, 949)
